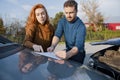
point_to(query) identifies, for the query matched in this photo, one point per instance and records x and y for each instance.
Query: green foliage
(14, 31)
(18, 39)
(102, 35)
(2, 28)
(1, 22)
(58, 16)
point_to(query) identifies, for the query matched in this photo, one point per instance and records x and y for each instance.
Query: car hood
(114, 41)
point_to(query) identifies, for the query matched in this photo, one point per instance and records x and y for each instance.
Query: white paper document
(48, 54)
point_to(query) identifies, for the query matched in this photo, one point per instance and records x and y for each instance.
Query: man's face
(70, 13)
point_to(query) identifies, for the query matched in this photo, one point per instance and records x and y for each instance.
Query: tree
(15, 31)
(55, 20)
(95, 18)
(2, 28)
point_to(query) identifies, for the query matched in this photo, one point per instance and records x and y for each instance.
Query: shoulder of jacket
(63, 20)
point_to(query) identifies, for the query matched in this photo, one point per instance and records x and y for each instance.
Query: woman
(39, 31)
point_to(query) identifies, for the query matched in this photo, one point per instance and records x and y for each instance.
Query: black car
(107, 60)
(16, 63)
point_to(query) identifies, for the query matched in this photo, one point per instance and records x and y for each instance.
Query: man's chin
(69, 20)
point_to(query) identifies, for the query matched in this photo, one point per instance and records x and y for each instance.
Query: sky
(20, 8)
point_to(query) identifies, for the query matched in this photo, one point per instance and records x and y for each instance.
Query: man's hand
(54, 44)
(38, 48)
(68, 54)
(61, 54)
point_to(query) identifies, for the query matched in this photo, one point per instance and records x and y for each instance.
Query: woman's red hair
(32, 18)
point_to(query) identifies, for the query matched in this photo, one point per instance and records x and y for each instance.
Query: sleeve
(30, 33)
(80, 37)
(59, 30)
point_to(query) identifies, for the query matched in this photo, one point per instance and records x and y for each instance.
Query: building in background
(112, 23)
(113, 26)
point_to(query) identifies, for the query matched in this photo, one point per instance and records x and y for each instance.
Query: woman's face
(40, 15)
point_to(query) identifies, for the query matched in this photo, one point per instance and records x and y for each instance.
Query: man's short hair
(71, 3)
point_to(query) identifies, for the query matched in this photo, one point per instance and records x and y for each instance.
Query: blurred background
(101, 17)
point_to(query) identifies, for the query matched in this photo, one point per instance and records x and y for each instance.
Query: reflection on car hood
(115, 41)
(11, 68)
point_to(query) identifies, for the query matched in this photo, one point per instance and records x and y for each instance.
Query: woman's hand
(50, 49)
(38, 48)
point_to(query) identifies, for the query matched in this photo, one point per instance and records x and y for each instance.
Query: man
(74, 32)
